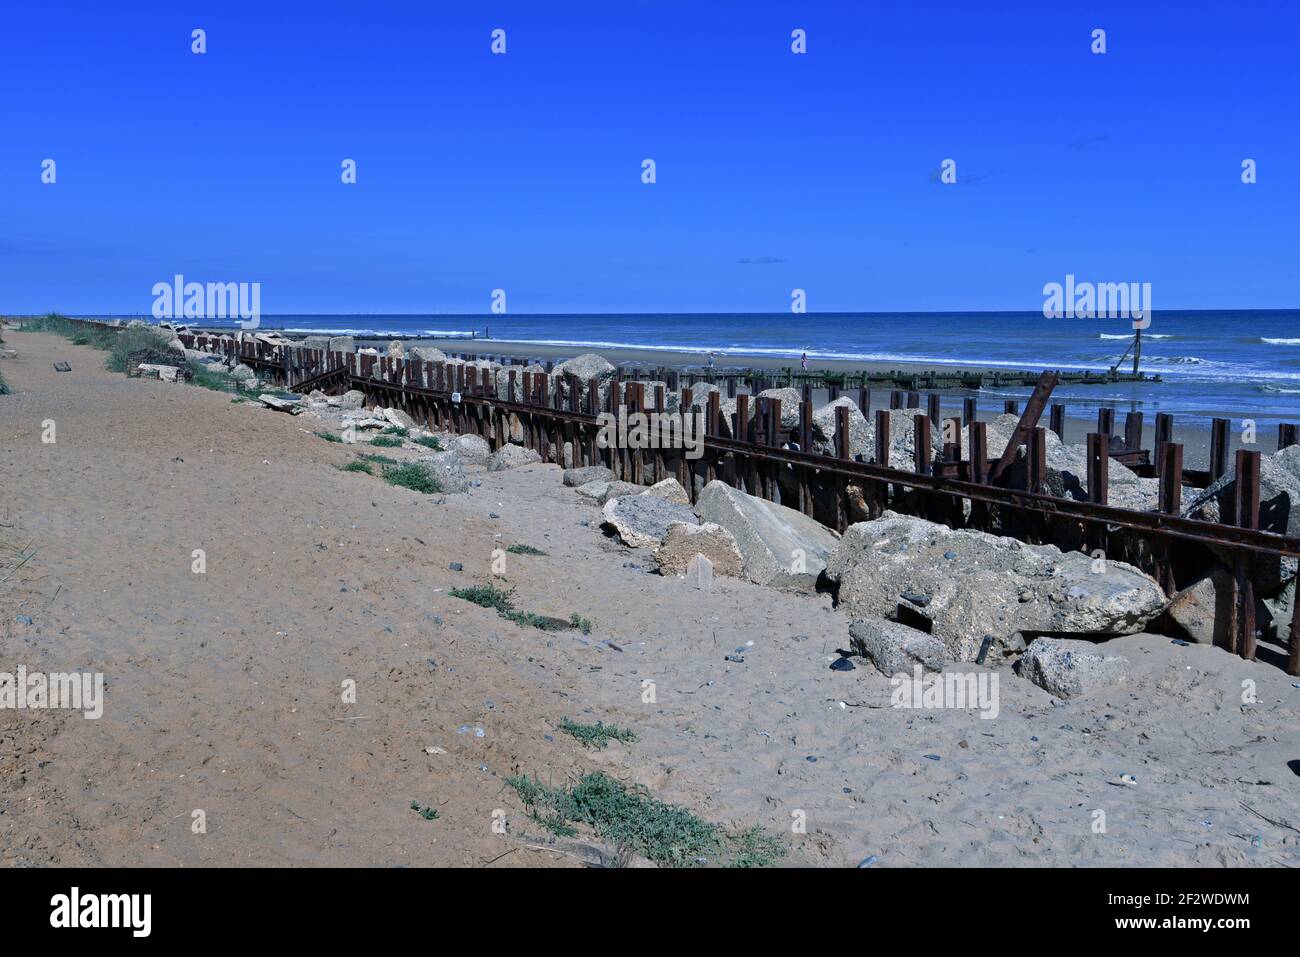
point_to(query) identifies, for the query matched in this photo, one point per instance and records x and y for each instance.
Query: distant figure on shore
(803, 362)
(710, 360)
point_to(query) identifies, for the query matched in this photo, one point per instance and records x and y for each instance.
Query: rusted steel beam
(1098, 468)
(1058, 420)
(1133, 431)
(1106, 421)
(1171, 478)
(979, 452)
(1246, 516)
(1029, 420)
(1219, 443)
(882, 438)
(921, 461)
(1286, 435)
(1036, 473)
(1164, 433)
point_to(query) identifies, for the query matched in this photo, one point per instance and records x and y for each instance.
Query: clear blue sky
(523, 171)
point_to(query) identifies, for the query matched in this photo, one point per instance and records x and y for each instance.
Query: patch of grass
(386, 441)
(528, 619)
(117, 342)
(426, 812)
(597, 735)
(330, 436)
(395, 430)
(377, 459)
(414, 476)
(487, 596)
(205, 378)
(581, 624)
(429, 442)
(356, 466)
(4, 386)
(524, 550)
(630, 818)
(502, 602)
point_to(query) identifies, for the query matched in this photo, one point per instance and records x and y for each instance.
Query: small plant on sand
(376, 459)
(581, 624)
(395, 430)
(502, 602)
(426, 812)
(330, 436)
(524, 550)
(357, 466)
(386, 442)
(413, 475)
(487, 596)
(597, 735)
(629, 818)
(429, 442)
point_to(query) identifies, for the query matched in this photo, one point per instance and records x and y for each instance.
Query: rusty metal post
(1219, 443)
(1247, 516)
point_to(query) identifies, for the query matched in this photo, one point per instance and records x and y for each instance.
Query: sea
(1244, 364)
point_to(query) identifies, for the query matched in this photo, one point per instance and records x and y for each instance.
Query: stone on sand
(1069, 667)
(591, 473)
(448, 468)
(642, 521)
(1205, 608)
(428, 354)
(474, 449)
(699, 573)
(778, 546)
(399, 418)
(511, 457)
(684, 541)
(893, 647)
(974, 584)
(292, 406)
(670, 489)
(352, 399)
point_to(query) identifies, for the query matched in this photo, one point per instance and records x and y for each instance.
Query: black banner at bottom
(336, 906)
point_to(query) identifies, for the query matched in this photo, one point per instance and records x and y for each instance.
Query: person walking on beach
(803, 362)
(710, 360)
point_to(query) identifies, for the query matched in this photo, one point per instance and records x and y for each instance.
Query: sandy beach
(225, 689)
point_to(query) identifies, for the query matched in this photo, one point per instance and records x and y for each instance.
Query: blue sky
(523, 171)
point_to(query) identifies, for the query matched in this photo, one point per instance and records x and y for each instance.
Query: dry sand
(224, 689)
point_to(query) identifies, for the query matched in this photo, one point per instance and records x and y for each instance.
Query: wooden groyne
(755, 452)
